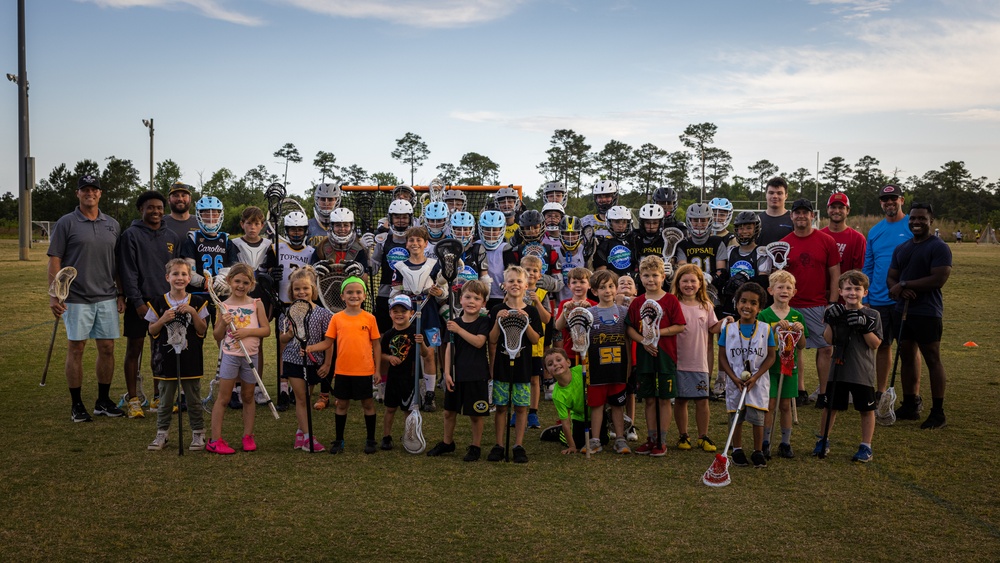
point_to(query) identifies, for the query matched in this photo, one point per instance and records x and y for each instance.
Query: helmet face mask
(722, 213)
(400, 216)
(404, 192)
(341, 230)
(209, 213)
(463, 226)
(326, 198)
(435, 218)
(699, 222)
(530, 225)
(619, 221)
(747, 225)
(554, 192)
(605, 194)
(295, 228)
(569, 233)
(651, 226)
(651, 218)
(492, 225)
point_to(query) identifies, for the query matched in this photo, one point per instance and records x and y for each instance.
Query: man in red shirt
(850, 242)
(814, 260)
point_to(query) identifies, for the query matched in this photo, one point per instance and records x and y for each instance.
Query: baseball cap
(802, 204)
(401, 300)
(838, 198)
(180, 187)
(890, 191)
(88, 181)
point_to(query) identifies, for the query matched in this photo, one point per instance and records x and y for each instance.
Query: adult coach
(86, 239)
(850, 243)
(180, 220)
(918, 270)
(814, 260)
(883, 238)
(775, 221)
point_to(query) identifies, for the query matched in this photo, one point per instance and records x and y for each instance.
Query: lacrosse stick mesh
(297, 313)
(885, 414)
(718, 474)
(276, 217)
(786, 351)
(177, 332)
(413, 433)
(513, 327)
(672, 236)
(650, 315)
(580, 320)
(330, 276)
(59, 288)
(778, 251)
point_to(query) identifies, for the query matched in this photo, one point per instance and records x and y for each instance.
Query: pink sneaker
(219, 447)
(248, 444)
(299, 439)
(317, 447)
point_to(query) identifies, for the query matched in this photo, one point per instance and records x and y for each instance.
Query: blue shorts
(92, 320)
(521, 392)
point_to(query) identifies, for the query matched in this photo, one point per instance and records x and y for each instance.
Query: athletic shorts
(352, 387)
(135, 326)
(398, 391)
(522, 393)
(612, 394)
(922, 329)
(298, 371)
(537, 367)
(863, 396)
(813, 317)
(692, 384)
(92, 320)
(749, 414)
(890, 324)
(470, 398)
(632, 384)
(648, 386)
(236, 367)
(789, 386)
(382, 318)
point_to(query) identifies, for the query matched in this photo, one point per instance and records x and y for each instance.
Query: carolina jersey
(210, 254)
(290, 260)
(600, 225)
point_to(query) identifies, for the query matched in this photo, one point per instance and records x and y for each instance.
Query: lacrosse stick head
(298, 312)
(672, 236)
(177, 332)
(650, 315)
(778, 252)
(59, 288)
(413, 432)
(448, 253)
(787, 339)
(513, 327)
(329, 277)
(274, 194)
(718, 474)
(436, 190)
(579, 321)
(885, 413)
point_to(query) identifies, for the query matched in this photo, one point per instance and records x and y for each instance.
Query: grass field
(92, 491)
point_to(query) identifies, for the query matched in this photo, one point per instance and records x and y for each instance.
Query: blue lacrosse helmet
(209, 203)
(492, 223)
(463, 226)
(722, 213)
(435, 218)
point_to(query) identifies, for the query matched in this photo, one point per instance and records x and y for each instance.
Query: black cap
(180, 187)
(803, 204)
(890, 190)
(88, 181)
(146, 196)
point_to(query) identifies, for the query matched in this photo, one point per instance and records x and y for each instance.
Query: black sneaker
(759, 462)
(739, 458)
(184, 404)
(520, 456)
(282, 405)
(79, 413)
(428, 405)
(785, 451)
(370, 447)
(802, 400)
(496, 454)
(234, 401)
(472, 454)
(934, 421)
(441, 448)
(908, 411)
(107, 408)
(337, 447)
(767, 450)
(821, 401)
(386, 443)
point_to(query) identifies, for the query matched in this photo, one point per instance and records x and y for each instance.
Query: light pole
(149, 125)
(26, 174)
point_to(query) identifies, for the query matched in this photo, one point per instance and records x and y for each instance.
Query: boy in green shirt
(567, 396)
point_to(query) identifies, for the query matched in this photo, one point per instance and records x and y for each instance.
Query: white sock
(428, 383)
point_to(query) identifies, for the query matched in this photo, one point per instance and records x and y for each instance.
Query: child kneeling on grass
(567, 397)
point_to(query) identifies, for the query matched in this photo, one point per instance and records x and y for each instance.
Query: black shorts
(863, 396)
(537, 367)
(352, 387)
(382, 318)
(890, 324)
(632, 384)
(298, 371)
(135, 326)
(922, 329)
(470, 398)
(398, 391)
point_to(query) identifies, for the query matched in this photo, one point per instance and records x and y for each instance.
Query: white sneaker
(258, 396)
(159, 441)
(632, 436)
(197, 440)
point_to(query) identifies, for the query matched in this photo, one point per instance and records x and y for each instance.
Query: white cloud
(616, 125)
(975, 114)
(214, 9)
(414, 13)
(853, 9)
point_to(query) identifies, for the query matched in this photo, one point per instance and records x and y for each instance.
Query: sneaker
(684, 443)
(135, 409)
(249, 445)
(645, 448)
(123, 400)
(594, 447)
(934, 421)
(659, 450)
(706, 444)
(785, 451)
(234, 401)
(819, 447)
(821, 401)
(496, 454)
(533, 421)
(472, 453)
(258, 396)
(316, 446)
(428, 405)
(78, 413)
(621, 446)
(322, 402)
(159, 442)
(337, 447)
(739, 458)
(386, 444)
(441, 448)
(632, 435)
(766, 450)
(803, 399)
(197, 441)
(519, 455)
(107, 407)
(758, 459)
(282, 405)
(864, 454)
(299, 439)
(908, 411)
(371, 446)
(154, 405)
(379, 393)
(219, 447)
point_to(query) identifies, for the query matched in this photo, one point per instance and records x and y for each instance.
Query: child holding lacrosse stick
(249, 318)
(692, 354)
(399, 350)
(626, 293)
(178, 304)
(789, 327)
(358, 361)
(579, 285)
(539, 300)
(656, 359)
(746, 352)
(512, 375)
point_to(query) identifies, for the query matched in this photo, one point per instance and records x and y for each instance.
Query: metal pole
(151, 188)
(24, 160)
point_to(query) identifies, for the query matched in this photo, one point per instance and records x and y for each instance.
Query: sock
(535, 411)
(938, 404)
(102, 391)
(869, 446)
(340, 420)
(909, 400)
(786, 435)
(767, 434)
(428, 383)
(74, 393)
(370, 425)
(283, 386)
(651, 434)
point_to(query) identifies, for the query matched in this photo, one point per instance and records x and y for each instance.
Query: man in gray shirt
(180, 220)
(775, 221)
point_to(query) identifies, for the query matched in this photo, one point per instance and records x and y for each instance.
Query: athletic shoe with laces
(78, 413)
(107, 407)
(159, 442)
(441, 448)
(386, 444)
(785, 451)
(317, 446)
(371, 446)
(249, 444)
(472, 453)
(621, 446)
(766, 449)
(706, 444)
(864, 454)
(197, 441)
(632, 435)
(428, 405)
(659, 450)
(135, 409)
(258, 396)
(644, 449)
(123, 400)
(908, 411)
(821, 401)
(802, 399)
(594, 447)
(234, 401)
(519, 455)
(337, 447)
(219, 447)
(299, 438)
(533, 421)
(739, 458)
(758, 459)
(496, 454)
(683, 443)
(322, 402)
(819, 447)
(934, 421)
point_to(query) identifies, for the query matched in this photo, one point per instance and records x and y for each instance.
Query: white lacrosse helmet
(492, 224)
(203, 212)
(619, 213)
(435, 218)
(551, 220)
(699, 221)
(326, 198)
(722, 213)
(296, 219)
(340, 216)
(603, 188)
(463, 226)
(453, 196)
(651, 212)
(400, 207)
(507, 201)
(554, 192)
(402, 191)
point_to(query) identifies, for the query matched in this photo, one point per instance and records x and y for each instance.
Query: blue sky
(228, 82)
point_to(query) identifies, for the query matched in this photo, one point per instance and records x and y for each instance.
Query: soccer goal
(374, 200)
(988, 236)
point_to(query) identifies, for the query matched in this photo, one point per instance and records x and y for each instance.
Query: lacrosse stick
(831, 384)
(277, 222)
(59, 288)
(672, 236)
(787, 339)
(275, 194)
(365, 203)
(448, 253)
(298, 315)
(650, 315)
(329, 276)
(513, 327)
(884, 413)
(717, 475)
(177, 339)
(579, 321)
(232, 327)
(413, 430)
(778, 252)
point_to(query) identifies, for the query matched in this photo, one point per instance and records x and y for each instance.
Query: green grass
(89, 491)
